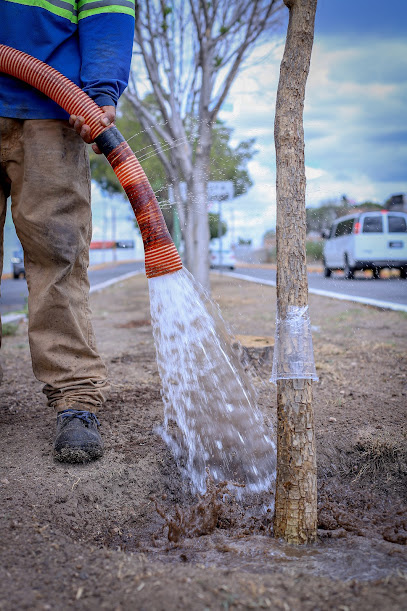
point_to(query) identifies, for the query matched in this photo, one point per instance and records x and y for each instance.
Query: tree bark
(295, 517)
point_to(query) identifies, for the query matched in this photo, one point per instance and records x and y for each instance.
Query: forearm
(105, 42)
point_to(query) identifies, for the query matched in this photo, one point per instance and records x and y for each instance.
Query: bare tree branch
(191, 52)
(254, 28)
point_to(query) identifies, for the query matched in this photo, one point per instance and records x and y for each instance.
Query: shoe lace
(87, 417)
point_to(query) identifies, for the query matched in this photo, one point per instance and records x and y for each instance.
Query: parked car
(368, 240)
(17, 261)
(222, 258)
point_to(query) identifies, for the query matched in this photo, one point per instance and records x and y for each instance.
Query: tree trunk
(200, 202)
(200, 266)
(296, 490)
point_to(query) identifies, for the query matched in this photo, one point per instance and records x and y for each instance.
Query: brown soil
(96, 536)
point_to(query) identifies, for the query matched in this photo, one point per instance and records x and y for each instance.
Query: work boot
(77, 438)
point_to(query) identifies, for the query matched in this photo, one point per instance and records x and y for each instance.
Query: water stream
(211, 421)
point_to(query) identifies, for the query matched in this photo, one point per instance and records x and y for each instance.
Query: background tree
(213, 218)
(296, 488)
(191, 52)
(321, 218)
(131, 128)
(226, 162)
(270, 234)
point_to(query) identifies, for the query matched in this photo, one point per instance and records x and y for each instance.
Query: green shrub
(271, 255)
(9, 328)
(314, 251)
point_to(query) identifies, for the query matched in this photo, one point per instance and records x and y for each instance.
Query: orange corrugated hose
(161, 256)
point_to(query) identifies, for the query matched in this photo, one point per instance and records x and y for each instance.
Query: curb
(16, 317)
(97, 266)
(104, 285)
(311, 267)
(12, 317)
(376, 303)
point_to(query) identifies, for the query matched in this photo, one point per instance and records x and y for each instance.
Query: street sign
(218, 190)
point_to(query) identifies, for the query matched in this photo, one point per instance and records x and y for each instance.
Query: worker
(44, 166)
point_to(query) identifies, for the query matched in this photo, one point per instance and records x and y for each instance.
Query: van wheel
(348, 270)
(403, 273)
(327, 271)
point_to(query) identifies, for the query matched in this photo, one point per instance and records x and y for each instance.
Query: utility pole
(295, 517)
(220, 231)
(104, 234)
(114, 232)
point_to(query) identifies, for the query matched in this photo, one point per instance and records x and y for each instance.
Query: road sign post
(217, 190)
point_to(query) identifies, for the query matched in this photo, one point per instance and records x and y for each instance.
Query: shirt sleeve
(106, 31)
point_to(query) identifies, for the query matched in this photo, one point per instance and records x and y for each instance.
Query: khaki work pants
(44, 166)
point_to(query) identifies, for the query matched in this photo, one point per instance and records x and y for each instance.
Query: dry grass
(376, 459)
(330, 371)
(380, 455)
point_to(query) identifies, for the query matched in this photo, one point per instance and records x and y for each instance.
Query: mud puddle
(218, 530)
(344, 560)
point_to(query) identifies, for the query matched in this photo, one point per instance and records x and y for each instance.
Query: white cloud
(354, 122)
(313, 173)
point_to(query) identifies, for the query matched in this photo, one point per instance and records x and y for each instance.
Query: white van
(368, 240)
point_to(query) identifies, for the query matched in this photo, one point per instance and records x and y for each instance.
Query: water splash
(211, 420)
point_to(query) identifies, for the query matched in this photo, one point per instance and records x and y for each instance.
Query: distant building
(269, 239)
(397, 202)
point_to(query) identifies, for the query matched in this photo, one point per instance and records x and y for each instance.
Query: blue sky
(354, 117)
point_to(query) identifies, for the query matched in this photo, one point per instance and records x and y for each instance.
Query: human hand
(78, 123)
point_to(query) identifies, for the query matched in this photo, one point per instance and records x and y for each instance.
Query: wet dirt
(90, 536)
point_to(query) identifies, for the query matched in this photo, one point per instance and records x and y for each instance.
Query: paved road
(385, 292)
(14, 293)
